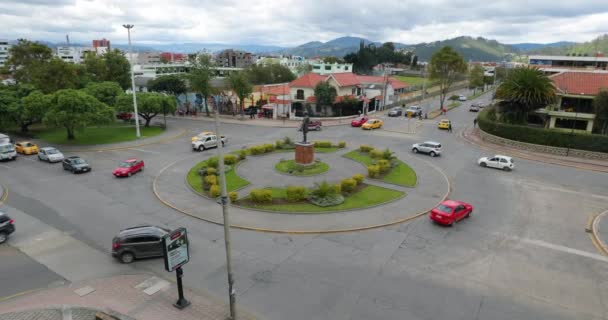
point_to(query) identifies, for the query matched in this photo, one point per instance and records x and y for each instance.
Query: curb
(593, 230)
(182, 133)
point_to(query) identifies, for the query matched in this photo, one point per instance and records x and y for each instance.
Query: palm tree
(526, 89)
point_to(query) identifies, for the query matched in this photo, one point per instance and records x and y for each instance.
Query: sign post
(176, 254)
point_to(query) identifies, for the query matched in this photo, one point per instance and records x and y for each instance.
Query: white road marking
(564, 249)
(146, 151)
(5, 166)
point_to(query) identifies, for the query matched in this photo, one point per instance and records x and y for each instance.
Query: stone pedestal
(305, 153)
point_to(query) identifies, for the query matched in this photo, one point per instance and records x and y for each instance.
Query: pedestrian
(474, 122)
(450, 127)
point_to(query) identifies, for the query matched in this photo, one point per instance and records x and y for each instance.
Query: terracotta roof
(274, 89)
(580, 83)
(308, 80)
(345, 79)
(397, 84)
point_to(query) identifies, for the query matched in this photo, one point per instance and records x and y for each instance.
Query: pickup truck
(205, 142)
(313, 125)
(413, 110)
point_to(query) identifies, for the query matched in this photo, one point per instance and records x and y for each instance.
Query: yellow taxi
(26, 147)
(372, 124)
(204, 133)
(443, 124)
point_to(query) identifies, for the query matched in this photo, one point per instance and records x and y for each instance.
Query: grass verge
(402, 174)
(233, 181)
(96, 135)
(290, 167)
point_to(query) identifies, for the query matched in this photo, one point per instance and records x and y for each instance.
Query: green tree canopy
(171, 84)
(105, 92)
(111, 66)
(600, 105)
(57, 74)
(200, 76)
(31, 110)
(271, 73)
(325, 95)
(149, 104)
(476, 77)
(446, 67)
(25, 58)
(239, 83)
(332, 59)
(75, 109)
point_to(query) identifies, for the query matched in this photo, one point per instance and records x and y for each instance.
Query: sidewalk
(125, 297)
(472, 136)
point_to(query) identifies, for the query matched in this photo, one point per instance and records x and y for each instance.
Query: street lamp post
(137, 132)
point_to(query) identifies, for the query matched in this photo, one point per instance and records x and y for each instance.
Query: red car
(451, 211)
(128, 168)
(359, 121)
(126, 116)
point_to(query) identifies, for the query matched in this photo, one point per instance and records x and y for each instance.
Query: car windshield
(370, 121)
(79, 161)
(125, 164)
(52, 151)
(27, 144)
(444, 208)
(360, 119)
(6, 148)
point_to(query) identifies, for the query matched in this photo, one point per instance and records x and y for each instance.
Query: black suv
(7, 226)
(138, 242)
(76, 164)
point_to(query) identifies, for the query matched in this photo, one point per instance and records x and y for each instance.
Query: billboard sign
(175, 249)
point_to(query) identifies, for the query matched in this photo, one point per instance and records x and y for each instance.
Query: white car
(430, 147)
(462, 98)
(498, 162)
(50, 154)
(205, 142)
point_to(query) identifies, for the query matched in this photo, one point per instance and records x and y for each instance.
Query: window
(571, 124)
(503, 160)
(4, 219)
(300, 94)
(346, 68)
(358, 91)
(317, 67)
(327, 67)
(354, 90)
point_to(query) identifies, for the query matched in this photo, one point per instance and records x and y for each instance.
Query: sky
(294, 22)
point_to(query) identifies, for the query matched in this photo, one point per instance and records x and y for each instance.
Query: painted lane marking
(564, 249)
(146, 151)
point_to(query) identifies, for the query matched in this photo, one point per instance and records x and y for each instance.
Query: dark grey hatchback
(7, 226)
(138, 242)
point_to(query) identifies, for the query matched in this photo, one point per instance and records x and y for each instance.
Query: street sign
(175, 249)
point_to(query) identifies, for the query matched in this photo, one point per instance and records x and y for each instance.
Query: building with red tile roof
(580, 83)
(308, 80)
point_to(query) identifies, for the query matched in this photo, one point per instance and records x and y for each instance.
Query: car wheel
(127, 257)
(468, 214)
(483, 164)
(201, 148)
(72, 170)
(432, 154)
(506, 169)
(3, 237)
(415, 150)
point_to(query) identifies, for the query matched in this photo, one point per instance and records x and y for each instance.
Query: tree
(271, 73)
(325, 95)
(600, 106)
(11, 109)
(476, 77)
(105, 92)
(111, 66)
(57, 74)
(200, 77)
(31, 110)
(149, 104)
(25, 59)
(169, 84)
(241, 86)
(446, 67)
(304, 68)
(526, 89)
(75, 109)
(332, 60)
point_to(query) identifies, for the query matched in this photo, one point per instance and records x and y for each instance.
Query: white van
(7, 151)
(5, 139)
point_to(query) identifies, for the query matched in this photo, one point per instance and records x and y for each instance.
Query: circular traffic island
(292, 168)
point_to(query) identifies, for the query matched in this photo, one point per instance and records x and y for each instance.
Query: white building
(293, 63)
(74, 54)
(327, 68)
(4, 47)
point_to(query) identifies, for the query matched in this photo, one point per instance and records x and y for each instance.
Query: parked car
(26, 147)
(498, 162)
(126, 116)
(462, 98)
(395, 112)
(205, 142)
(449, 212)
(443, 124)
(7, 151)
(128, 168)
(5, 139)
(372, 124)
(313, 125)
(359, 121)
(76, 164)
(138, 242)
(50, 154)
(7, 226)
(429, 147)
(474, 108)
(415, 111)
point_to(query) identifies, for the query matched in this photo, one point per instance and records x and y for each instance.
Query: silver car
(430, 147)
(50, 154)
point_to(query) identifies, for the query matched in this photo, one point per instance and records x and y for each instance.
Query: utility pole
(224, 202)
(385, 95)
(424, 89)
(137, 133)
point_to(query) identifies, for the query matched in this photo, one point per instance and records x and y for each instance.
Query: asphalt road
(523, 254)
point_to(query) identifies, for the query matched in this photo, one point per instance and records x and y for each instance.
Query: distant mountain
(214, 47)
(599, 44)
(537, 46)
(472, 49)
(338, 47)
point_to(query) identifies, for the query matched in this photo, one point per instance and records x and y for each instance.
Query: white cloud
(293, 22)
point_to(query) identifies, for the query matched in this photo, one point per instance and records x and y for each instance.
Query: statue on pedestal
(304, 127)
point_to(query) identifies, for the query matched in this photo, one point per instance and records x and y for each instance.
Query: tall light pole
(137, 133)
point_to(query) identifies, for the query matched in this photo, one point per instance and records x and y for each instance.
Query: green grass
(96, 135)
(476, 95)
(317, 149)
(290, 165)
(233, 181)
(413, 81)
(366, 197)
(401, 175)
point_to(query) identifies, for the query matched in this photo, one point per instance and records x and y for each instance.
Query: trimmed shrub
(364, 148)
(323, 144)
(242, 155)
(384, 166)
(375, 154)
(387, 154)
(348, 185)
(373, 171)
(210, 171)
(287, 141)
(338, 188)
(214, 191)
(261, 195)
(279, 144)
(257, 150)
(233, 196)
(229, 159)
(325, 195)
(323, 189)
(341, 144)
(212, 162)
(358, 178)
(268, 147)
(210, 180)
(296, 193)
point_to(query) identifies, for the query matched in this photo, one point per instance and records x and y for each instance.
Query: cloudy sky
(293, 22)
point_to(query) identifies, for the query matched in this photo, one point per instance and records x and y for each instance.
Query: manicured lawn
(401, 175)
(96, 135)
(368, 196)
(290, 165)
(317, 149)
(414, 81)
(233, 181)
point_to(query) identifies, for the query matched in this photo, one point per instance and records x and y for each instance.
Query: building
(74, 55)
(234, 59)
(148, 58)
(556, 64)
(323, 68)
(575, 93)
(4, 51)
(173, 57)
(101, 46)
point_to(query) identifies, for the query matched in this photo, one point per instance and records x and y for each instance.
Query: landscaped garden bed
(292, 168)
(382, 165)
(204, 176)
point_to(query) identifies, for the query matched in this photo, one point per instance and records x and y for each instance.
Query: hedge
(554, 138)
